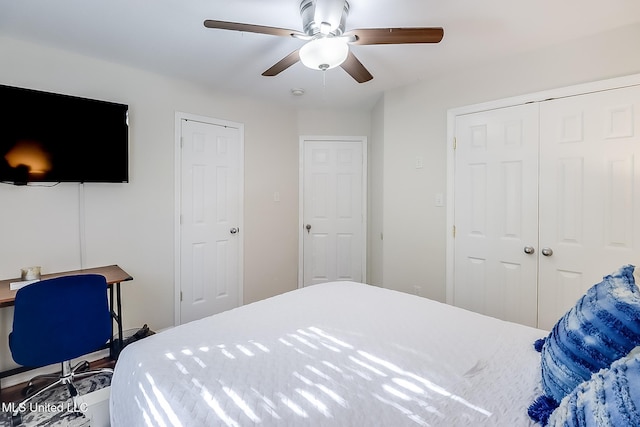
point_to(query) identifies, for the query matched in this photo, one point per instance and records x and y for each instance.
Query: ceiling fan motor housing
(332, 13)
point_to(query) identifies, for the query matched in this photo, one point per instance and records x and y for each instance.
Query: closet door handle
(547, 251)
(529, 250)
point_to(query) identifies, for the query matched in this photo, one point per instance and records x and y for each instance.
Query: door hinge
(180, 296)
(455, 143)
(454, 231)
(182, 142)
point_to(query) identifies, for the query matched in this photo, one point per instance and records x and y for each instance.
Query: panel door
(496, 169)
(589, 193)
(211, 191)
(333, 241)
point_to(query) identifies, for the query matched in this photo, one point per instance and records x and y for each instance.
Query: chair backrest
(60, 319)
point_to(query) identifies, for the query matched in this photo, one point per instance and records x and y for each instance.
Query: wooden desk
(112, 273)
(114, 276)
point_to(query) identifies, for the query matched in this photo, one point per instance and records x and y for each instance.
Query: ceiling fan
(327, 43)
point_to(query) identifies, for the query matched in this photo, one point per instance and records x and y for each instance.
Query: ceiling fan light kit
(327, 42)
(324, 53)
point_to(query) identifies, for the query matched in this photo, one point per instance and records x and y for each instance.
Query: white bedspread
(335, 354)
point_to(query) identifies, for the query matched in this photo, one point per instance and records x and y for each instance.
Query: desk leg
(116, 314)
(118, 303)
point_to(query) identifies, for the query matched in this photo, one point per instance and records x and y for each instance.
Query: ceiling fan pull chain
(324, 85)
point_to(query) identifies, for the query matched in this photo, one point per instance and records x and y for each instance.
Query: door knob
(547, 251)
(308, 227)
(529, 250)
(234, 230)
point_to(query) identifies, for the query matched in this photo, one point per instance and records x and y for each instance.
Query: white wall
(334, 122)
(415, 125)
(375, 220)
(133, 224)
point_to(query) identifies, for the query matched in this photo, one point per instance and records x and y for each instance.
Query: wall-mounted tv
(48, 137)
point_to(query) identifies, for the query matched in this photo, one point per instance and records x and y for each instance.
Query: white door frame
(337, 139)
(179, 116)
(573, 90)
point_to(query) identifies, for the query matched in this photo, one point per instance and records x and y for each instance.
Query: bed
(339, 353)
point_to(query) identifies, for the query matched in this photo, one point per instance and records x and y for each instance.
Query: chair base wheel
(16, 419)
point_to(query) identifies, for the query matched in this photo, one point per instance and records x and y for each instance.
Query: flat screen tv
(48, 137)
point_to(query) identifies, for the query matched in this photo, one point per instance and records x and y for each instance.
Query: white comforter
(335, 354)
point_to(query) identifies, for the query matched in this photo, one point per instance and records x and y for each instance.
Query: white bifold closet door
(589, 194)
(496, 212)
(547, 201)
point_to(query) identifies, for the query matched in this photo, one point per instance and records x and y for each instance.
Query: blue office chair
(56, 320)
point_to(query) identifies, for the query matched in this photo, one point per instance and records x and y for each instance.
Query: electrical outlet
(439, 200)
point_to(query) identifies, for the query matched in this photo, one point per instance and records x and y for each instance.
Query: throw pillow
(603, 326)
(610, 398)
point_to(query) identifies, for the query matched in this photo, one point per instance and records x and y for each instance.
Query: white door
(589, 194)
(210, 275)
(496, 222)
(333, 192)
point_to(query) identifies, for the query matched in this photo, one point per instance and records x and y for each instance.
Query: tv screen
(48, 137)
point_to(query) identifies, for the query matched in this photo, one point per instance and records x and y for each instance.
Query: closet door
(496, 221)
(589, 194)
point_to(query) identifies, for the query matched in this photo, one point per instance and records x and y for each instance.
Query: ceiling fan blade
(250, 28)
(355, 69)
(367, 36)
(283, 64)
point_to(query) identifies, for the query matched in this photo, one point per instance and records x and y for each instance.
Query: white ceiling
(168, 37)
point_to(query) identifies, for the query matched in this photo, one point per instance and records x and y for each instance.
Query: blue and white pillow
(602, 327)
(610, 398)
